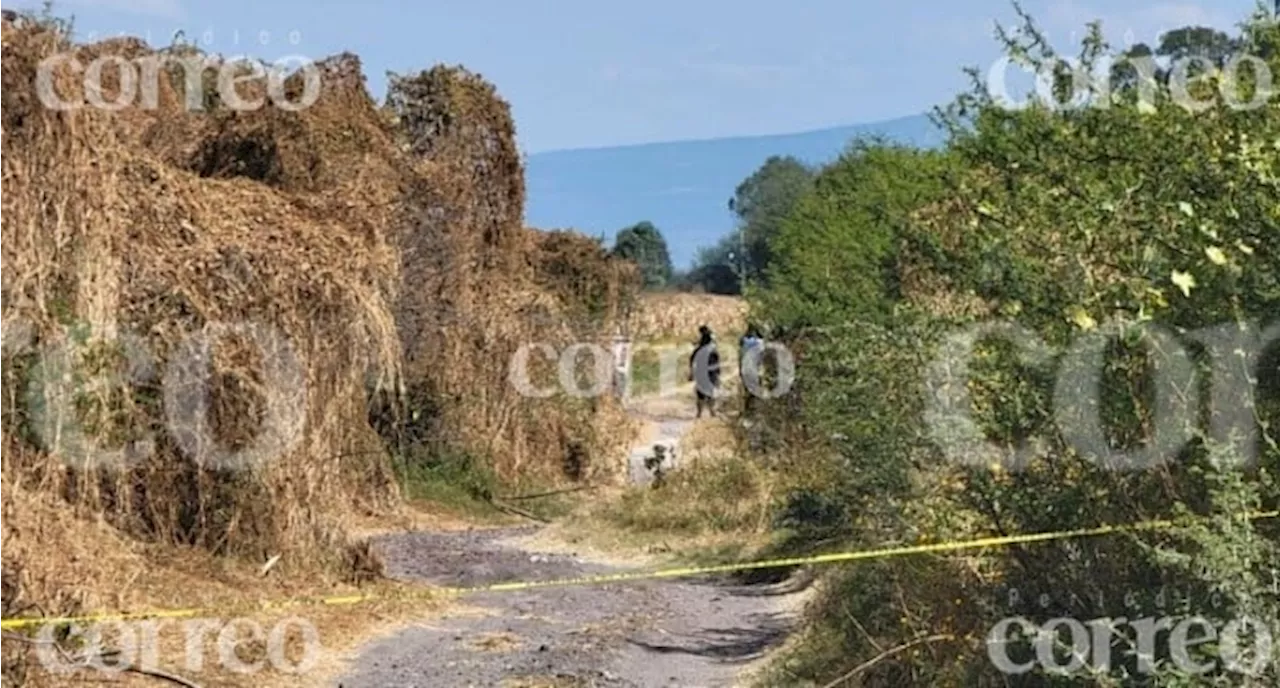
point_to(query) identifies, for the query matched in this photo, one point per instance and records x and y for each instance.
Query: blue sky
(595, 73)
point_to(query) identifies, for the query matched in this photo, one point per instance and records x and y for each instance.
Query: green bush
(1064, 222)
(448, 477)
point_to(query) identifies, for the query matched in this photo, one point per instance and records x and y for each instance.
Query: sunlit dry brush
(664, 317)
(379, 249)
(436, 175)
(596, 287)
(100, 233)
(484, 286)
(596, 293)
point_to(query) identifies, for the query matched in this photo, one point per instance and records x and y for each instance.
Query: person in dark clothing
(704, 370)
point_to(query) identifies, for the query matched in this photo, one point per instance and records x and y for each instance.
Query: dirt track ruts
(646, 633)
(692, 633)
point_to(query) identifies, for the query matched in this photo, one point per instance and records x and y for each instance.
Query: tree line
(759, 204)
(763, 202)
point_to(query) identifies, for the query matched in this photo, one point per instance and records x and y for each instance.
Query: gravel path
(647, 633)
(692, 633)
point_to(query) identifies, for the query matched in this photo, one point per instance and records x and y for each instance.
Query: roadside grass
(715, 508)
(131, 576)
(646, 369)
(452, 482)
(723, 495)
(462, 486)
(646, 364)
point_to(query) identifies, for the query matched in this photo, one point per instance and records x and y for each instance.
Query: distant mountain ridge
(682, 187)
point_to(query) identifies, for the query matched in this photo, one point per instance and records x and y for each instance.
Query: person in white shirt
(750, 353)
(621, 365)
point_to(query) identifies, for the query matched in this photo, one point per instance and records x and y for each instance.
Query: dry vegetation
(664, 317)
(385, 246)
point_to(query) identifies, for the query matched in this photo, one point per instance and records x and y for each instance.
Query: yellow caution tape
(683, 572)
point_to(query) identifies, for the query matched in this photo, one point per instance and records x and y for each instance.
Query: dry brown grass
(84, 566)
(496, 642)
(714, 508)
(709, 439)
(478, 297)
(395, 268)
(674, 316)
(98, 233)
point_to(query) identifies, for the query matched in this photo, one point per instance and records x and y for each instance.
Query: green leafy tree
(1197, 41)
(834, 254)
(643, 244)
(1195, 47)
(1127, 73)
(717, 269)
(761, 203)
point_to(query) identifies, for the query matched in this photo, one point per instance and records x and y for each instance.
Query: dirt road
(652, 633)
(688, 633)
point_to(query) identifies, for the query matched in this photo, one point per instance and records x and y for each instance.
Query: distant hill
(683, 187)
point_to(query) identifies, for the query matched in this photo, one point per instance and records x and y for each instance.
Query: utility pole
(741, 268)
(736, 264)
(742, 257)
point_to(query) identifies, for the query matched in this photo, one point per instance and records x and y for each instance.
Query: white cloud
(830, 69)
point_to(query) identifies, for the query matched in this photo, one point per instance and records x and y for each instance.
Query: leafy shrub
(1068, 224)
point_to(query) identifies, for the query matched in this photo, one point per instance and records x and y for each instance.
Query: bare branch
(886, 654)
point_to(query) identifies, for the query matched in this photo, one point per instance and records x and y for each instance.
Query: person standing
(704, 371)
(750, 355)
